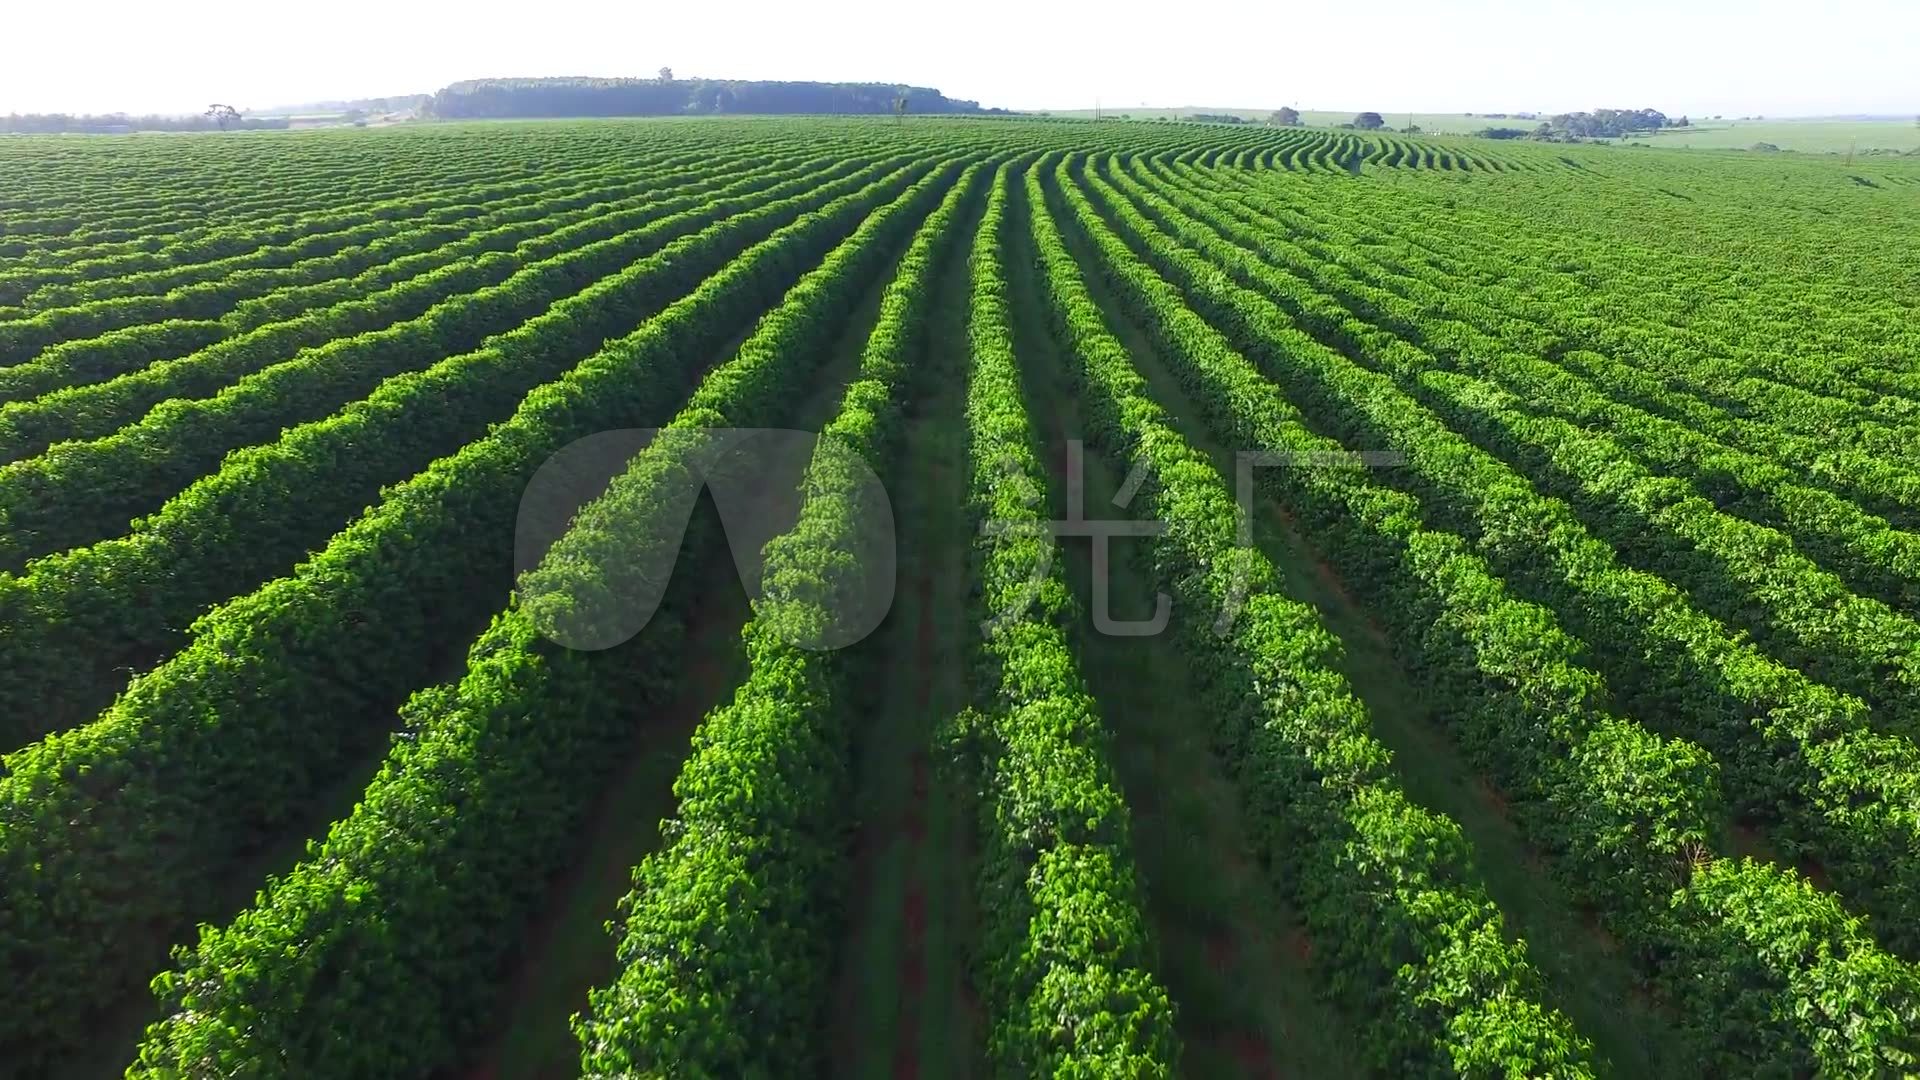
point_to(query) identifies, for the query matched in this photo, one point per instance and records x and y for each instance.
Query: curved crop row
(78, 492)
(1832, 396)
(313, 256)
(1791, 747)
(725, 941)
(407, 255)
(1733, 403)
(178, 259)
(1747, 575)
(1863, 548)
(221, 747)
(280, 183)
(1408, 937)
(123, 603)
(1628, 814)
(335, 255)
(274, 327)
(317, 238)
(247, 994)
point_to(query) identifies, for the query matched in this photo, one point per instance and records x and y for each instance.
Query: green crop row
(1749, 576)
(267, 205)
(530, 725)
(1792, 747)
(1067, 965)
(321, 236)
(78, 492)
(1866, 550)
(124, 603)
(1627, 812)
(1403, 929)
(322, 256)
(406, 255)
(725, 941)
(219, 749)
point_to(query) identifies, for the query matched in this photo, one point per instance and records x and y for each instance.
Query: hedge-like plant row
(1792, 747)
(314, 256)
(471, 212)
(136, 240)
(22, 340)
(407, 255)
(1801, 390)
(221, 748)
(1066, 966)
(324, 238)
(1402, 928)
(77, 492)
(212, 253)
(77, 604)
(1760, 481)
(329, 256)
(1835, 361)
(1874, 481)
(1864, 549)
(725, 943)
(1630, 816)
(1823, 427)
(286, 182)
(264, 331)
(1747, 575)
(531, 725)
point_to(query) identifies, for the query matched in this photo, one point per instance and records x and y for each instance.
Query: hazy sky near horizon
(1696, 57)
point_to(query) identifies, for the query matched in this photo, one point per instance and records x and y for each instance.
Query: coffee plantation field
(1360, 604)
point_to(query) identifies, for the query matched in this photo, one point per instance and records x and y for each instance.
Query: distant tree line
(1288, 116)
(1216, 118)
(1581, 126)
(118, 123)
(1613, 123)
(482, 99)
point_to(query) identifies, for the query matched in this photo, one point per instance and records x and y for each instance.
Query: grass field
(1806, 136)
(1361, 605)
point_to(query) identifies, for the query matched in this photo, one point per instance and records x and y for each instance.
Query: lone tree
(223, 115)
(666, 74)
(899, 108)
(1369, 121)
(1284, 116)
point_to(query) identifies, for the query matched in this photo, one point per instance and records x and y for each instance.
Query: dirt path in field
(1589, 976)
(1230, 950)
(567, 950)
(913, 949)
(902, 1008)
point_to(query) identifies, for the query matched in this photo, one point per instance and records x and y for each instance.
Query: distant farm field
(1261, 602)
(1804, 136)
(1438, 123)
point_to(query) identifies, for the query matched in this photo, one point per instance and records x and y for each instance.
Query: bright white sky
(1774, 57)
